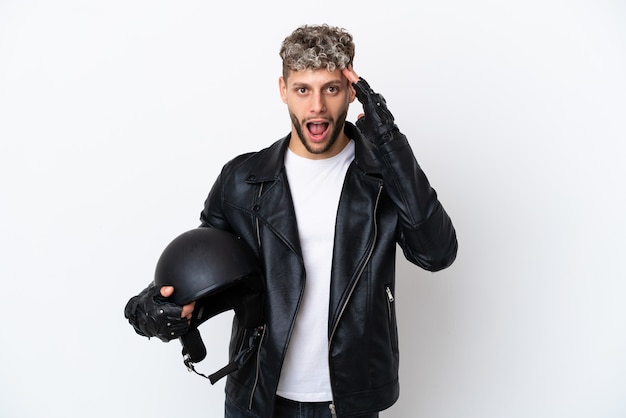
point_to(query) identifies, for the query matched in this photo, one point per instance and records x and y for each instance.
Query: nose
(318, 104)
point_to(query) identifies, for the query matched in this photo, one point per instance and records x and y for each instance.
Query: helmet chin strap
(194, 351)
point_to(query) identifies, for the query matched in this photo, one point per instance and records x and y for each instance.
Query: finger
(360, 115)
(188, 310)
(167, 291)
(349, 73)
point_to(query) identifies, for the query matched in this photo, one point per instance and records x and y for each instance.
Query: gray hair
(315, 47)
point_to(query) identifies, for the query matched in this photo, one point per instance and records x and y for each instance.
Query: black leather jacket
(386, 200)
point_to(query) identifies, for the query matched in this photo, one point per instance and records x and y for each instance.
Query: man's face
(318, 102)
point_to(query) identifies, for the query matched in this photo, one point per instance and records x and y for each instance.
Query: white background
(116, 116)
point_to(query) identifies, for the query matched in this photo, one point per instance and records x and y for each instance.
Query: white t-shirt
(315, 187)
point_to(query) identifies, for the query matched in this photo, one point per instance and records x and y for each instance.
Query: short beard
(334, 135)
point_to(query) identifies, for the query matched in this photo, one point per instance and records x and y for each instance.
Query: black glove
(378, 123)
(153, 316)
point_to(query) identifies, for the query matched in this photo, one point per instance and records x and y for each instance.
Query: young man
(324, 209)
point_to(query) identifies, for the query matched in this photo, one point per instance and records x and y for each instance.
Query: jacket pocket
(391, 317)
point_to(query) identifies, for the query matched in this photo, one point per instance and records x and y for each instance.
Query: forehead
(314, 77)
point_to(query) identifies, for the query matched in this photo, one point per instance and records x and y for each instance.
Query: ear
(282, 86)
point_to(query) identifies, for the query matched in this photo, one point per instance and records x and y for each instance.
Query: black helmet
(218, 271)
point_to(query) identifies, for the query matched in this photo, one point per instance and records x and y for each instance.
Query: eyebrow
(329, 83)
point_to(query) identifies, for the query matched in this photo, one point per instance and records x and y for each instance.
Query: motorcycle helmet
(218, 271)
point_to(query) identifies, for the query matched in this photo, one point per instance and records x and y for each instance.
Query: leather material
(152, 315)
(377, 124)
(386, 201)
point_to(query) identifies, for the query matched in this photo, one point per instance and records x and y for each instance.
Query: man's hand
(151, 315)
(377, 123)
(167, 291)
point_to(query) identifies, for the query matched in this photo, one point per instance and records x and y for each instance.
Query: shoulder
(265, 163)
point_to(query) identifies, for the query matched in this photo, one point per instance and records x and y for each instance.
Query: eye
(333, 90)
(301, 90)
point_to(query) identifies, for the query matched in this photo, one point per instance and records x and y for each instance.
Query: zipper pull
(389, 294)
(333, 414)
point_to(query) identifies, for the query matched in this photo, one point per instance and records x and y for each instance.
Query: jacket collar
(272, 161)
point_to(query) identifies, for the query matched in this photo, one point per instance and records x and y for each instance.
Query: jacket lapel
(273, 204)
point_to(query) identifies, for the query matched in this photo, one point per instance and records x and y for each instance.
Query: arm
(427, 235)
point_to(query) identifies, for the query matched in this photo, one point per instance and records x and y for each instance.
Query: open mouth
(317, 130)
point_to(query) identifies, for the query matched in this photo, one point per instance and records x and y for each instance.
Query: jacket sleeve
(426, 234)
(212, 215)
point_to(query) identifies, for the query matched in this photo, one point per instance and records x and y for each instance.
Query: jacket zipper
(256, 219)
(369, 256)
(333, 412)
(389, 294)
(390, 300)
(258, 352)
(258, 367)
